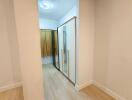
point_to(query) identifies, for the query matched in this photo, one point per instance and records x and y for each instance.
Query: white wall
(47, 23)
(113, 46)
(27, 25)
(9, 59)
(85, 42)
(69, 15)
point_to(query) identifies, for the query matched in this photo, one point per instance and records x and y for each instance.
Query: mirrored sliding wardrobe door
(66, 35)
(61, 47)
(70, 30)
(65, 66)
(63, 50)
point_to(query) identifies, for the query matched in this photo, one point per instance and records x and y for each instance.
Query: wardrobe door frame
(75, 49)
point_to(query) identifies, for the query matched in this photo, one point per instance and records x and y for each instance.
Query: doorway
(57, 21)
(49, 47)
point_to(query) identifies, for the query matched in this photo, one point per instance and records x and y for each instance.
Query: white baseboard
(108, 91)
(10, 86)
(79, 87)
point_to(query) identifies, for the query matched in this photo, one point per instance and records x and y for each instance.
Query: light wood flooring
(13, 94)
(57, 87)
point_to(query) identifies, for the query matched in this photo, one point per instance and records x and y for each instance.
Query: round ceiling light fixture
(46, 5)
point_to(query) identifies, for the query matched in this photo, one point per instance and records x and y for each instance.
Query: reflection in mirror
(65, 66)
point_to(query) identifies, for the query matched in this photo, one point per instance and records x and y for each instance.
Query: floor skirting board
(10, 86)
(79, 87)
(103, 88)
(108, 91)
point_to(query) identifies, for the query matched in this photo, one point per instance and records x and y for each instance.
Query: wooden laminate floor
(57, 87)
(13, 94)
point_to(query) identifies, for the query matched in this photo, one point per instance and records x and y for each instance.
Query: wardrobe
(67, 49)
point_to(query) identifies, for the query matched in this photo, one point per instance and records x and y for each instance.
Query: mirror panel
(67, 46)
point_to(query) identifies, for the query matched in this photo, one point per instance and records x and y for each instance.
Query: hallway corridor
(57, 87)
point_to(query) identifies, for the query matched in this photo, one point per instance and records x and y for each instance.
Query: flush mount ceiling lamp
(46, 5)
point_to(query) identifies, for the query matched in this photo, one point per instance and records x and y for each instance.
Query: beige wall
(112, 60)
(9, 64)
(26, 15)
(85, 42)
(6, 74)
(13, 42)
(113, 46)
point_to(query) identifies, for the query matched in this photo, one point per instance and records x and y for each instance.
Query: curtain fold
(47, 42)
(56, 43)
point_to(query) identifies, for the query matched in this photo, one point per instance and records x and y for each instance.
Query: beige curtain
(56, 42)
(46, 43)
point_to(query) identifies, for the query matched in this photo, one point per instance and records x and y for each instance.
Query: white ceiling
(58, 8)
